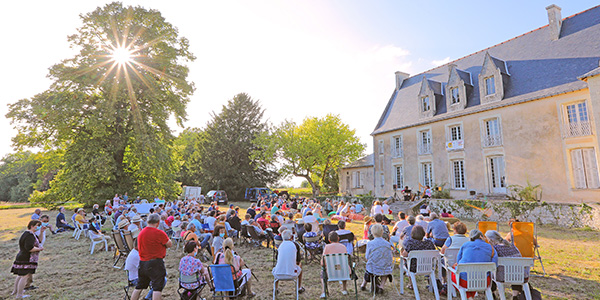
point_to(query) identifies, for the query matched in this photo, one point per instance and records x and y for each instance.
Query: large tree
(316, 148)
(108, 106)
(229, 148)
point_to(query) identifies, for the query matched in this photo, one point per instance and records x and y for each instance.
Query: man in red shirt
(152, 246)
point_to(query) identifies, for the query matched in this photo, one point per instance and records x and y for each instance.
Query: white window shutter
(578, 170)
(591, 168)
(362, 179)
(353, 179)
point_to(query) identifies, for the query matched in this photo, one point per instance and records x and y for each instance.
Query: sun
(121, 55)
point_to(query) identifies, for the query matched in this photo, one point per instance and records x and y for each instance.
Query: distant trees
(315, 149)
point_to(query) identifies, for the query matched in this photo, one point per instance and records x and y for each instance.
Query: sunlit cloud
(440, 62)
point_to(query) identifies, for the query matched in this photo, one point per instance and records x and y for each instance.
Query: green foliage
(316, 148)
(526, 193)
(18, 174)
(188, 152)
(107, 122)
(440, 192)
(304, 184)
(235, 149)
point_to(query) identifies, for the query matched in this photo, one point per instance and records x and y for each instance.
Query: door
(497, 175)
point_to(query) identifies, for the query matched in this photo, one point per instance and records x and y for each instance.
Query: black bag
(535, 294)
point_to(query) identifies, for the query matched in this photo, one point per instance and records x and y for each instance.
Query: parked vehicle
(191, 192)
(219, 196)
(252, 194)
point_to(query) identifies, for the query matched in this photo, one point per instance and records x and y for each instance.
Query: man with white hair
(288, 261)
(437, 230)
(204, 237)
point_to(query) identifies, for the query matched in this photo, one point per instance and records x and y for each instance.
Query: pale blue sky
(300, 58)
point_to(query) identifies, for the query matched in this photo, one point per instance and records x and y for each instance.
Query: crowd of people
(208, 234)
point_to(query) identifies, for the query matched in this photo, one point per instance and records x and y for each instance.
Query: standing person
(26, 261)
(152, 244)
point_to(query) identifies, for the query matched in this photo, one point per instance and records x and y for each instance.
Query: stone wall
(564, 215)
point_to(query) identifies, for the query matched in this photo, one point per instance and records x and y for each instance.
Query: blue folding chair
(224, 284)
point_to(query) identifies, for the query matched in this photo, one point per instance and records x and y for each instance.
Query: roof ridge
(490, 47)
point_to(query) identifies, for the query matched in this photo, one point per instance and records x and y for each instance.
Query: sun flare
(121, 55)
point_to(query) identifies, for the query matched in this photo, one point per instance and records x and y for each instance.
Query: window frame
(399, 185)
(423, 103)
(574, 124)
(486, 83)
(462, 174)
(421, 145)
(488, 140)
(452, 95)
(397, 148)
(423, 174)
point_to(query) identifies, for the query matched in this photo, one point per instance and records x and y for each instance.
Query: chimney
(554, 21)
(400, 77)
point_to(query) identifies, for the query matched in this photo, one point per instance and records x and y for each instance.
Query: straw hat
(368, 219)
(123, 223)
(136, 219)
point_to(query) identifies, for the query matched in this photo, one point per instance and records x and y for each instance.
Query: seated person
(274, 224)
(458, 239)
(190, 265)
(427, 193)
(406, 232)
(407, 193)
(311, 219)
(309, 233)
(505, 249)
(288, 260)
(386, 230)
(80, 218)
(36, 214)
(247, 219)
(95, 231)
(444, 214)
(136, 226)
(61, 223)
(416, 242)
(345, 236)
(424, 210)
(422, 222)
(229, 257)
(262, 221)
(210, 220)
(398, 228)
(332, 248)
(437, 230)
(218, 238)
(96, 213)
(379, 258)
(474, 251)
(190, 234)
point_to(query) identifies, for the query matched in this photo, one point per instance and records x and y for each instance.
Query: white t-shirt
(386, 209)
(211, 222)
(42, 237)
(400, 225)
(132, 263)
(286, 259)
(377, 209)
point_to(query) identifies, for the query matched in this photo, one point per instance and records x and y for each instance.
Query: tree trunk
(314, 187)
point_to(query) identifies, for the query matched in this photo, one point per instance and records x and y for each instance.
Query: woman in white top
(458, 239)
(376, 209)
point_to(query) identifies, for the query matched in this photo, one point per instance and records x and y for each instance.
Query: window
(577, 120)
(381, 147)
(490, 86)
(585, 168)
(458, 174)
(455, 133)
(492, 134)
(399, 177)
(382, 175)
(425, 142)
(425, 103)
(381, 162)
(427, 174)
(358, 179)
(397, 146)
(454, 95)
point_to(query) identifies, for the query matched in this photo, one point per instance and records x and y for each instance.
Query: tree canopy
(315, 148)
(108, 107)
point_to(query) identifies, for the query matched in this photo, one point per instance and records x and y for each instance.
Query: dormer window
(425, 104)
(490, 86)
(455, 96)
(494, 73)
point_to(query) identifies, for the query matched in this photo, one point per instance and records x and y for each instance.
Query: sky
(299, 58)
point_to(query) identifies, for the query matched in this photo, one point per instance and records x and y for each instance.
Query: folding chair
(276, 244)
(484, 226)
(450, 256)
(121, 251)
(300, 232)
(255, 237)
(524, 237)
(176, 237)
(224, 284)
(426, 262)
(514, 274)
(97, 240)
(327, 229)
(189, 294)
(337, 268)
(349, 238)
(477, 278)
(130, 284)
(315, 253)
(244, 236)
(129, 241)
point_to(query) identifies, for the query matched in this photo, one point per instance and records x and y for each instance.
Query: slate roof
(538, 66)
(367, 161)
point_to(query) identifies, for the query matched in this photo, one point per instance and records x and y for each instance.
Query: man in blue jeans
(203, 237)
(437, 230)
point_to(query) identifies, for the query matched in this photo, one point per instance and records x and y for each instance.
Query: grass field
(68, 271)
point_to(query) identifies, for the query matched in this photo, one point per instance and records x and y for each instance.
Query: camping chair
(327, 229)
(130, 284)
(276, 244)
(314, 253)
(450, 256)
(337, 268)
(121, 251)
(484, 226)
(300, 232)
(129, 240)
(187, 294)
(514, 274)
(524, 237)
(176, 237)
(244, 236)
(97, 239)
(224, 284)
(257, 239)
(426, 262)
(477, 277)
(349, 238)
(206, 228)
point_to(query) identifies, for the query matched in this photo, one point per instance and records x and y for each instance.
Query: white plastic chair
(426, 261)
(96, 239)
(477, 275)
(449, 260)
(80, 230)
(77, 230)
(176, 236)
(283, 277)
(514, 274)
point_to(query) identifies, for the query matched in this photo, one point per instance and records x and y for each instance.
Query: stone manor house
(527, 109)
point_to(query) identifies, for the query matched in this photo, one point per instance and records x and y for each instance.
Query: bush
(440, 192)
(530, 192)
